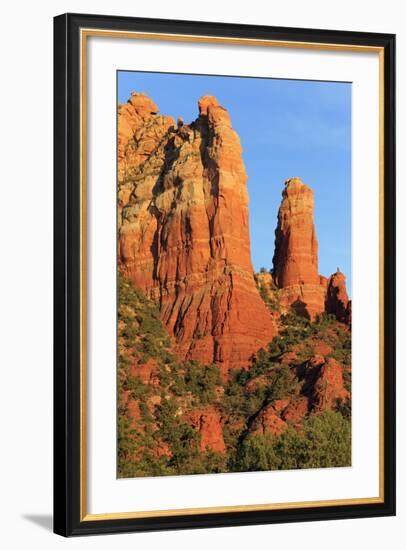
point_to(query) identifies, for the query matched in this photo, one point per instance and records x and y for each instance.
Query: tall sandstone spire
(183, 230)
(295, 259)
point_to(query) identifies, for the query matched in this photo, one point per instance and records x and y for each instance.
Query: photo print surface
(233, 274)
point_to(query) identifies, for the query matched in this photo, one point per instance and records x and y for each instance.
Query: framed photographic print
(224, 274)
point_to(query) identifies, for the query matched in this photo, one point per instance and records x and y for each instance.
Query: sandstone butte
(184, 230)
(295, 261)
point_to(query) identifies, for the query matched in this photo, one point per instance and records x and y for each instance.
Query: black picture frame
(67, 381)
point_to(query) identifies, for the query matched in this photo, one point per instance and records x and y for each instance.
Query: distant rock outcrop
(268, 421)
(295, 259)
(183, 230)
(207, 422)
(329, 386)
(337, 301)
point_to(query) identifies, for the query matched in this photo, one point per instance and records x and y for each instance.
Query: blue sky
(287, 128)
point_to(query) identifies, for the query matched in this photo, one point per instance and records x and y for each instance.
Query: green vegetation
(198, 380)
(268, 291)
(141, 326)
(157, 394)
(159, 442)
(325, 442)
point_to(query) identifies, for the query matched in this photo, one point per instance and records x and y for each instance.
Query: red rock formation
(124, 397)
(288, 358)
(329, 386)
(348, 316)
(296, 410)
(323, 281)
(146, 372)
(254, 384)
(207, 422)
(132, 124)
(306, 300)
(162, 449)
(316, 361)
(295, 260)
(337, 298)
(268, 422)
(183, 230)
(133, 409)
(280, 405)
(321, 348)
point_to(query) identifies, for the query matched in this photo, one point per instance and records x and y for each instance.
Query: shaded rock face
(348, 314)
(275, 418)
(207, 422)
(323, 386)
(329, 386)
(268, 422)
(337, 301)
(146, 372)
(304, 299)
(183, 230)
(295, 260)
(297, 409)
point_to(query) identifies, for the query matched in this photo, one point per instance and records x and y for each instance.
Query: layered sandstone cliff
(183, 230)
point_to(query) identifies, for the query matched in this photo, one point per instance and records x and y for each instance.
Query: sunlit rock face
(295, 260)
(184, 233)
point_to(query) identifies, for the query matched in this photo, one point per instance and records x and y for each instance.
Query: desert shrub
(325, 320)
(329, 440)
(257, 453)
(183, 440)
(305, 352)
(282, 383)
(234, 395)
(269, 294)
(201, 381)
(142, 326)
(295, 329)
(342, 348)
(138, 389)
(241, 401)
(324, 442)
(135, 450)
(344, 407)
